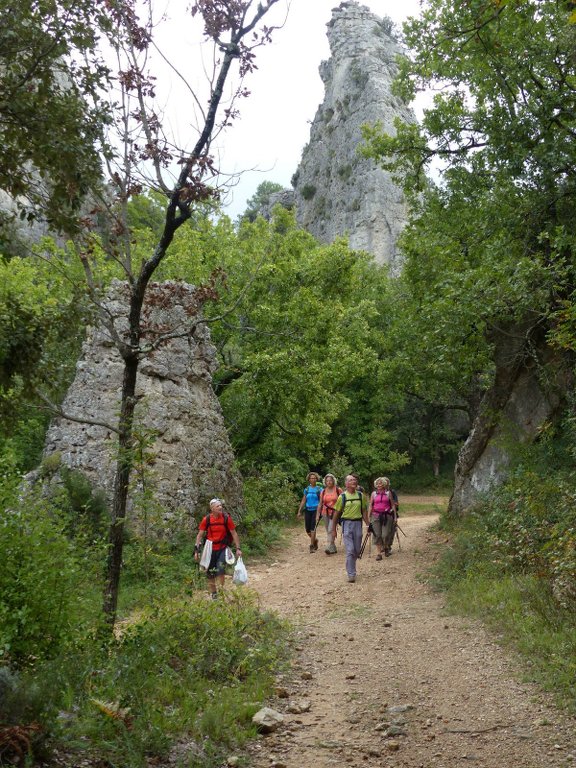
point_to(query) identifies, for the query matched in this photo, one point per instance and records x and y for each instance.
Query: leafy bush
(42, 581)
(270, 503)
(186, 671)
(308, 191)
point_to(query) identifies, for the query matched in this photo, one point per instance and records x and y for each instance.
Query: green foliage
(52, 83)
(41, 582)
(308, 191)
(513, 561)
(300, 344)
(270, 503)
(515, 603)
(260, 199)
(41, 323)
(185, 671)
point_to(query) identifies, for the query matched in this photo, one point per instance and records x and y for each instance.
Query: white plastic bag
(206, 555)
(230, 559)
(240, 573)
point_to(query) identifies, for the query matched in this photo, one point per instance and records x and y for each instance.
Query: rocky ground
(384, 677)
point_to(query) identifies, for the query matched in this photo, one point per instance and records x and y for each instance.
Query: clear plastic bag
(240, 573)
(230, 559)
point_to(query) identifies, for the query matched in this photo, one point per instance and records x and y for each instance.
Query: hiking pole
(363, 547)
(313, 537)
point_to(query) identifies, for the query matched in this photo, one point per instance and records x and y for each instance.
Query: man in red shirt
(217, 526)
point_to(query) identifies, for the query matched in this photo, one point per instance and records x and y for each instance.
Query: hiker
(359, 487)
(382, 511)
(351, 509)
(328, 498)
(309, 502)
(219, 528)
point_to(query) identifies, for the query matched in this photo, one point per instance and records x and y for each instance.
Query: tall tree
(491, 250)
(58, 59)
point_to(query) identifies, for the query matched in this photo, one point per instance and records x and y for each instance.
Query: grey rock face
(190, 458)
(530, 395)
(336, 191)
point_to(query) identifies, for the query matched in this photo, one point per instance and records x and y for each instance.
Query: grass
(422, 508)
(518, 608)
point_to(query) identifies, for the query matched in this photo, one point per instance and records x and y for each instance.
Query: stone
(395, 730)
(336, 191)
(233, 761)
(190, 459)
(282, 693)
(393, 746)
(298, 707)
(267, 720)
(306, 676)
(399, 709)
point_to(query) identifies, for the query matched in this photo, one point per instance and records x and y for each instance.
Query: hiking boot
(331, 549)
(315, 545)
(387, 552)
(214, 595)
(379, 556)
(351, 579)
(312, 548)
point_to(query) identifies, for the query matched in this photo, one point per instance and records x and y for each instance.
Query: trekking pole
(313, 536)
(400, 529)
(363, 547)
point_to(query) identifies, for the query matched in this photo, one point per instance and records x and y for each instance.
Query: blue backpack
(312, 491)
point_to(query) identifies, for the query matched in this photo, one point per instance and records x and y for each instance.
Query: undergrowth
(512, 563)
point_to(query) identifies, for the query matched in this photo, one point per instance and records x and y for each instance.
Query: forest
(325, 360)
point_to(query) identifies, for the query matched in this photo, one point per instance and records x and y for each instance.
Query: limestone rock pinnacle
(337, 192)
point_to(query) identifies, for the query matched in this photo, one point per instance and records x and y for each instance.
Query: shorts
(217, 565)
(310, 519)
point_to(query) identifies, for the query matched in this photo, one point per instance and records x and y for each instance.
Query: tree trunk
(121, 483)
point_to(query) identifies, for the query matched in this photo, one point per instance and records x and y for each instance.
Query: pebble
(306, 675)
(393, 746)
(233, 761)
(400, 709)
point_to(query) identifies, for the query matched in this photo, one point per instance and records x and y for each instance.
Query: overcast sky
(285, 91)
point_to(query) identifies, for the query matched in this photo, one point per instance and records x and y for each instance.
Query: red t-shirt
(217, 530)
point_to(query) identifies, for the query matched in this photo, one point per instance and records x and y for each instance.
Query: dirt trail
(383, 642)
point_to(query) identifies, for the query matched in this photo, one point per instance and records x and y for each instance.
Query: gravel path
(388, 679)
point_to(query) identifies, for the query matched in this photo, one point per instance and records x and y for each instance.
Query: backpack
(344, 500)
(227, 540)
(321, 500)
(316, 491)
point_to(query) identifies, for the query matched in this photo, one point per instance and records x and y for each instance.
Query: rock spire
(337, 192)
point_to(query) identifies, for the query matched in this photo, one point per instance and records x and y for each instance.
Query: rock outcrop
(529, 389)
(189, 458)
(336, 191)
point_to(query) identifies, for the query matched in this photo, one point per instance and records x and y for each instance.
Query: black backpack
(227, 540)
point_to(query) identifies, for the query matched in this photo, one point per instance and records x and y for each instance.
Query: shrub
(41, 582)
(308, 191)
